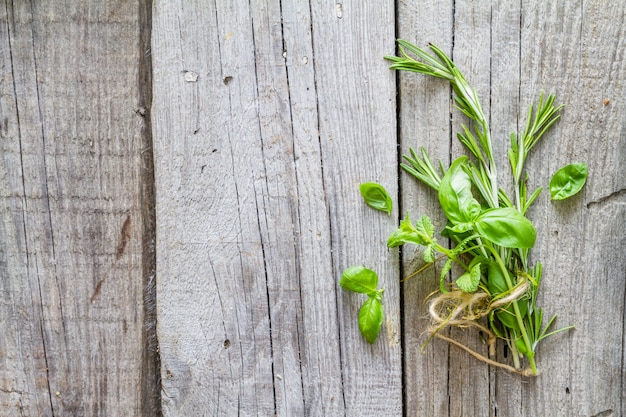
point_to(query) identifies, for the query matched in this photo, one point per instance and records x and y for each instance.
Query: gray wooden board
(424, 121)
(266, 119)
(510, 52)
(267, 116)
(71, 187)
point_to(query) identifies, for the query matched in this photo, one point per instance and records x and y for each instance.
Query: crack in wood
(607, 198)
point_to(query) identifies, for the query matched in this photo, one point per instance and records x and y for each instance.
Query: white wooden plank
(320, 354)
(71, 187)
(506, 116)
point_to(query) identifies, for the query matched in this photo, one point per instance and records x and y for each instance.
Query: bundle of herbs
(495, 291)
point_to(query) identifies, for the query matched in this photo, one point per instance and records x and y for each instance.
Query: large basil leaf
(507, 315)
(455, 194)
(496, 283)
(506, 227)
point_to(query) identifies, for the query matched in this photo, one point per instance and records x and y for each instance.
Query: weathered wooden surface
(267, 115)
(72, 260)
(510, 52)
(266, 118)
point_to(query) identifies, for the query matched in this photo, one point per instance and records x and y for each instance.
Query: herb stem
(530, 354)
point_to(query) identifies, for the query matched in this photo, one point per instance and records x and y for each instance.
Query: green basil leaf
(359, 279)
(468, 282)
(472, 209)
(461, 228)
(507, 315)
(496, 283)
(371, 318)
(521, 346)
(420, 234)
(568, 180)
(376, 196)
(506, 227)
(455, 193)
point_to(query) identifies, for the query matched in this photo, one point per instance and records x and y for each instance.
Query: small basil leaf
(472, 209)
(455, 193)
(496, 283)
(506, 227)
(568, 180)
(376, 196)
(420, 234)
(371, 318)
(359, 279)
(468, 282)
(507, 315)
(460, 228)
(521, 346)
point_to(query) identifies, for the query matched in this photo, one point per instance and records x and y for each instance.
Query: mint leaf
(420, 234)
(468, 282)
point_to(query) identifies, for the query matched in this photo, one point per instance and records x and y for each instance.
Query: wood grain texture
(424, 121)
(582, 60)
(71, 281)
(510, 52)
(267, 116)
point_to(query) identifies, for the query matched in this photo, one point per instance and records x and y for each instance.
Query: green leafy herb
(568, 180)
(468, 282)
(455, 194)
(506, 227)
(376, 196)
(420, 234)
(359, 279)
(371, 318)
(491, 234)
(365, 281)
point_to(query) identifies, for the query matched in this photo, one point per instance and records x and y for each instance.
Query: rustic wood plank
(581, 60)
(469, 381)
(213, 322)
(424, 120)
(71, 183)
(506, 116)
(252, 233)
(357, 128)
(320, 359)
